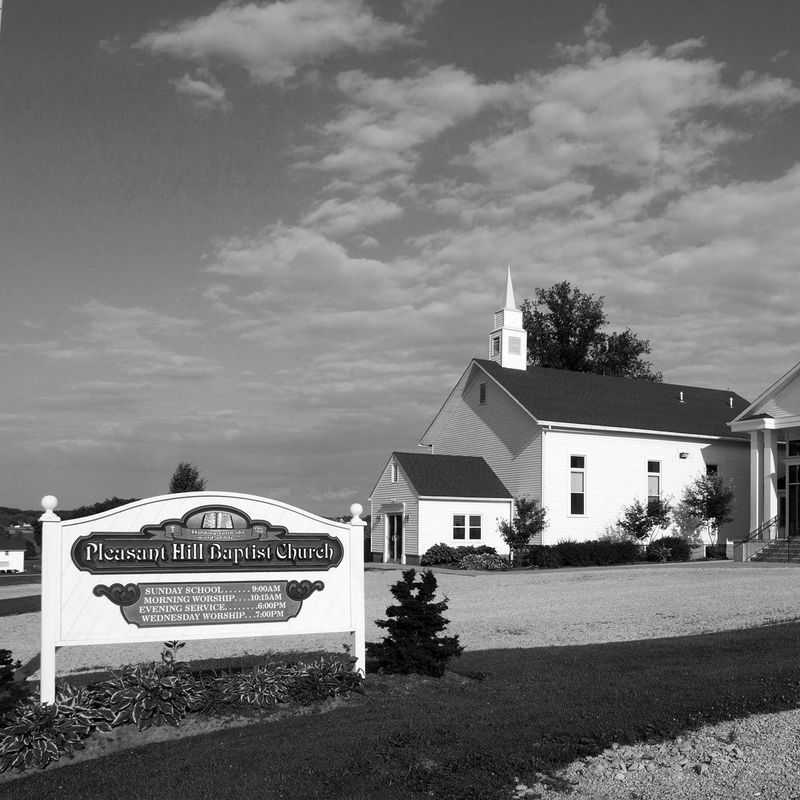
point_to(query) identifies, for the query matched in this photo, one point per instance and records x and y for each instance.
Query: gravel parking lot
(516, 609)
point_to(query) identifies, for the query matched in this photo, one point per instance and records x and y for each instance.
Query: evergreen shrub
(596, 553)
(446, 554)
(413, 643)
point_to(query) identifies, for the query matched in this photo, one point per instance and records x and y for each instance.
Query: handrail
(757, 533)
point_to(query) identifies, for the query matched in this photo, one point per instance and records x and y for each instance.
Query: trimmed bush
(483, 561)
(716, 551)
(669, 548)
(439, 554)
(445, 554)
(12, 692)
(597, 553)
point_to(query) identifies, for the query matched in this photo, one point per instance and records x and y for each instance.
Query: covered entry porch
(773, 423)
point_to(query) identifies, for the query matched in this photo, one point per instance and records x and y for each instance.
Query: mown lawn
(535, 709)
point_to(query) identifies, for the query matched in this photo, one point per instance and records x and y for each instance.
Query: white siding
(436, 522)
(616, 475)
(500, 431)
(390, 494)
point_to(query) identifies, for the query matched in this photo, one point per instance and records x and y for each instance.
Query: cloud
(388, 120)
(637, 115)
(687, 46)
(420, 10)
(274, 41)
(203, 90)
(594, 32)
(338, 217)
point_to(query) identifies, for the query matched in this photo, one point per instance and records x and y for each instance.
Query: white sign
(197, 565)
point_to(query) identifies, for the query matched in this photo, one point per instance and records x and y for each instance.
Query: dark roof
(557, 395)
(450, 476)
(8, 542)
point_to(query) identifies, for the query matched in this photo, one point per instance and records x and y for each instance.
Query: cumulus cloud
(420, 10)
(338, 217)
(273, 41)
(203, 90)
(387, 120)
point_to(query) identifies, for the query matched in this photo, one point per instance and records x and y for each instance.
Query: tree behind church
(564, 332)
(186, 478)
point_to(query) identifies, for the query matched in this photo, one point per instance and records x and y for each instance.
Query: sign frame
(313, 564)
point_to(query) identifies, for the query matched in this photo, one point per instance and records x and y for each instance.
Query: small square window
(482, 394)
(793, 448)
(654, 466)
(459, 526)
(712, 469)
(577, 462)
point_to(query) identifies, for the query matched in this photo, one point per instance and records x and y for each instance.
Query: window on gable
(482, 394)
(393, 473)
(577, 485)
(459, 526)
(653, 482)
(474, 527)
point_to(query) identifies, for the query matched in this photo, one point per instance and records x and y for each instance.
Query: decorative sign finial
(356, 510)
(49, 502)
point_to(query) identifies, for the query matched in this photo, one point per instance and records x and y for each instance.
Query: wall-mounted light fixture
(683, 455)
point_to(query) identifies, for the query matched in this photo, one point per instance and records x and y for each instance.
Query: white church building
(583, 445)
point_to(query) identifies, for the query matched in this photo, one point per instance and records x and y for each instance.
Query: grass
(457, 738)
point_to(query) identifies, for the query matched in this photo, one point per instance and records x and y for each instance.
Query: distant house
(582, 445)
(12, 553)
(420, 500)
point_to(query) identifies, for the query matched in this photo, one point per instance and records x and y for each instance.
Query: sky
(267, 237)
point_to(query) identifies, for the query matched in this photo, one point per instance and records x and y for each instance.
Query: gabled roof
(583, 398)
(450, 476)
(752, 410)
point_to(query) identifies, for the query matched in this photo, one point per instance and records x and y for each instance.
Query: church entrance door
(395, 537)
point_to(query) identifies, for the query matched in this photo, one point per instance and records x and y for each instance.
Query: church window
(495, 345)
(514, 345)
(653, 482)
(577, 485)
(482, 393)
(393, 473)
(459, 526)
(712, 469)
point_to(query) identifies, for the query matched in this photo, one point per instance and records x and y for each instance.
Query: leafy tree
(96, 508)
(710, 500)
(413, 643)
(529, 520)
(640, 521)
(186, 478)
(564, 332)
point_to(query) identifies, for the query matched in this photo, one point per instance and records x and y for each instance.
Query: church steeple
(508, 341)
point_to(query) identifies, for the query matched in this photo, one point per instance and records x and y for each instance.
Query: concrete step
(779, 552)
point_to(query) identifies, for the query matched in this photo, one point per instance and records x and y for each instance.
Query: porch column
(770, 467)
(755, 480)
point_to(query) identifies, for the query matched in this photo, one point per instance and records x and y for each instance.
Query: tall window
(495, 345)
(474, 527)
(459, 526)
(577, 485)
(482, 393)
(793, 448)
(653, 482)
(393, 473)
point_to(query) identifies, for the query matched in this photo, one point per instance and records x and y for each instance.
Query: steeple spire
(508, 339)
(510, 303)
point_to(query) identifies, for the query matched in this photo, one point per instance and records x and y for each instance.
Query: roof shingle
(451, 476)
(558, 395)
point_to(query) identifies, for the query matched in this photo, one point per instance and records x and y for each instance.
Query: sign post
(198, 565)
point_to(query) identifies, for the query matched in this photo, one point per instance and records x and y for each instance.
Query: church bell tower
(508, 341)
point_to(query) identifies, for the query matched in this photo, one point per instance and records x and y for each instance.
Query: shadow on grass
(535, 710)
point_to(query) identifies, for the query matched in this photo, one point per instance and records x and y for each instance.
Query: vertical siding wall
(616, 475)
(386, 494)
(436, 521)
(500, 431)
